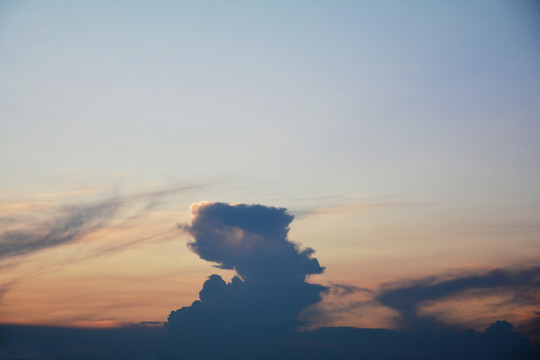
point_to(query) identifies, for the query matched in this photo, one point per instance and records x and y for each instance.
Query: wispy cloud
(73, 222)
(4, 288)
(352, 203)
(37, 226)
(71, 225)
(341, 290)
(520, 287)
(68, 194)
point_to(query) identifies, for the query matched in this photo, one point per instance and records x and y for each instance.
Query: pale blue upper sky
(432, 100)
(404, 134)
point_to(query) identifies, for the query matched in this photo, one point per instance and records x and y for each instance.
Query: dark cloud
(256, 313)
(406, 297)
(344, 290)
(48, 342)
(251, 239)
(254, 316)
(264, 300)
(531, 328)
(344, 343)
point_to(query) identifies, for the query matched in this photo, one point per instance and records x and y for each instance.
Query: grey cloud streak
(74, 222)
(407, 296)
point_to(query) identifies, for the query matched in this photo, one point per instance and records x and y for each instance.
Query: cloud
(264, 300)
(523, 286)
(251, 239)
(355, 207)
(255, 314)
(531, 328)
(66, 194)
(73, 222)
(350, 204)
(343, 290)
(4, 288)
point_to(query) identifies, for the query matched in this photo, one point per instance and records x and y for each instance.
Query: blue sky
(405, 132)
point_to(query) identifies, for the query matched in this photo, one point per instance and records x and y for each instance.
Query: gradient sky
(403, 135)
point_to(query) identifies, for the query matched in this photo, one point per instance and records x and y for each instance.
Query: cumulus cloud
(251, 239)
(264, 300)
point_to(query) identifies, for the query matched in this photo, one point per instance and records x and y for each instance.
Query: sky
(401, 138)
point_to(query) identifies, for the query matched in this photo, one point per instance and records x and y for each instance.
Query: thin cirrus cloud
(353, 204)
(341, 206)
(74, 222)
